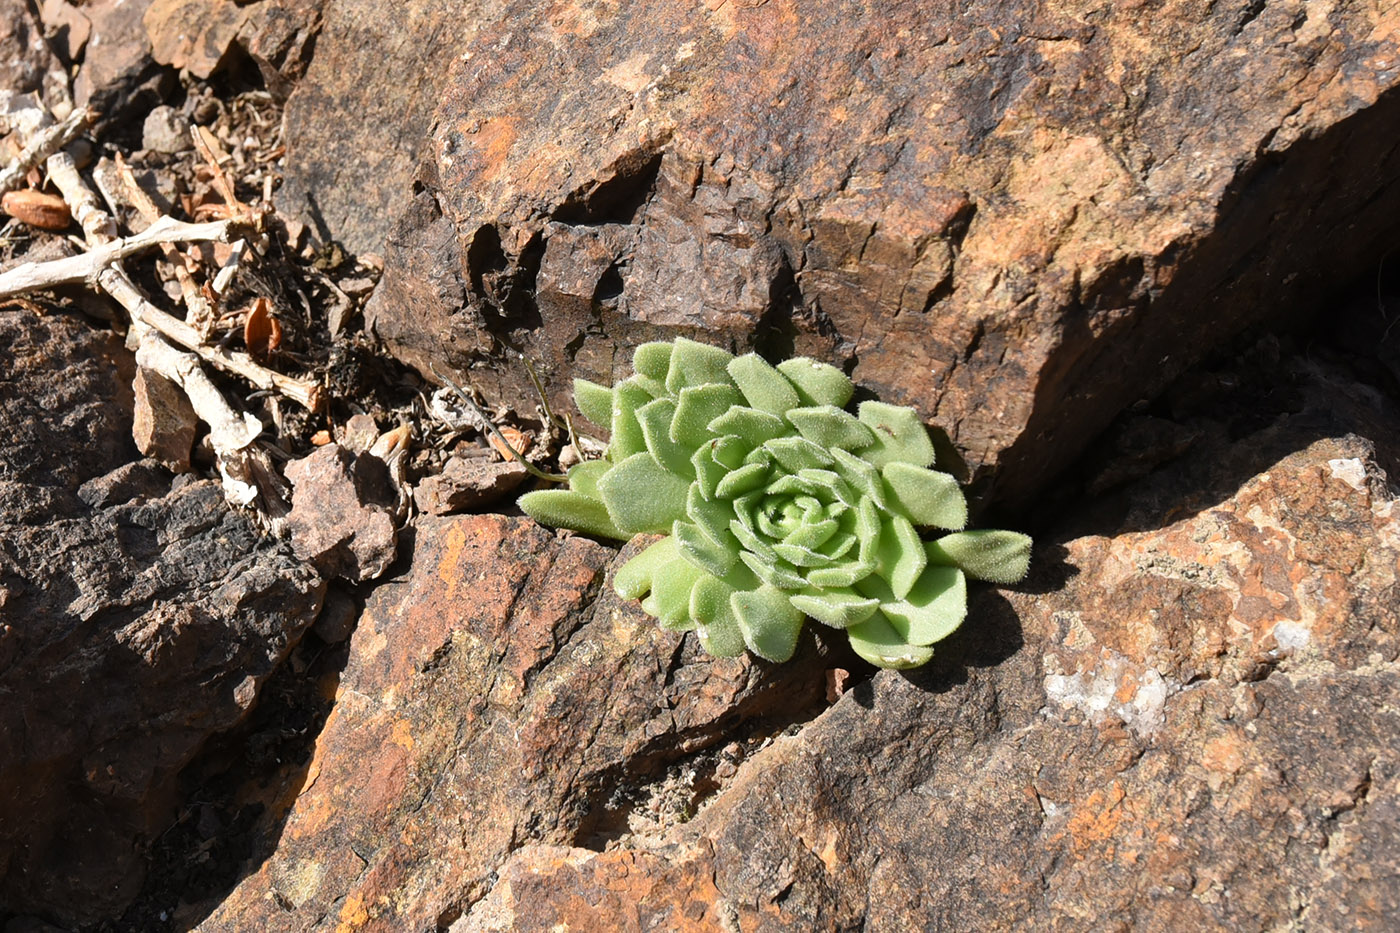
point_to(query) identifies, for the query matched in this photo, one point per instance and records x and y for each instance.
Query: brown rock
(118, 75)
(163, 422)
(385, 74)
(68, 29)
(468, 483)
(24, 58)
(197, 35)
(342, 517)
(1019, 219)
(497, 694)
(136, 621)
(1188, 720)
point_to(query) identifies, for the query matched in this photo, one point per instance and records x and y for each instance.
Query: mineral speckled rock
(497, 693)
(1189, 721)
(1017, 217)
(137, 619)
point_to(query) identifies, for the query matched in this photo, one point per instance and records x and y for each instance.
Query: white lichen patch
(1350, 471)
(1112, 688)
(1292, 636)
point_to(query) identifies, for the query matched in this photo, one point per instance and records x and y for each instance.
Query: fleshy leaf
(715, 623)
(861, 475)
(899, 435)
(564, 508)
(835, 606)
(829, 426)
(703, 551)
(745, 479)
(927, 497)
(769, 622)
(641, 496)
(934, 608)
(670, 595)
(627, 436)
(818, 383)
(712, 516)
(655, 419)
(752, 425)
(708, 473)
(994, 556)
(776, 573)
(594, 402)
(633, 579)
(901, 554)
(876, 640)
(583, 477)
(797, 453)
(697, 407)
(696, 364)
(653, 359)
(765, 388)
(846, 574)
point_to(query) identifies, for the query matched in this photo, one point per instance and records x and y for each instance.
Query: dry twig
(45, 143)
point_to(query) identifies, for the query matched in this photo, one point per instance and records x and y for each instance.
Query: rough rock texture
(24, 58)
(118, 75)
(1188, 721)
(468, 483)
(199, 35)
(137, 618)
(498, 693)
(342, 517)
(357, 123)
(1017, 217)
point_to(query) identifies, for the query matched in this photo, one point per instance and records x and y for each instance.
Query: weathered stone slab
(357, 123)
(1017, 217)
(1189, 721)
(137, 618)
(497, 693)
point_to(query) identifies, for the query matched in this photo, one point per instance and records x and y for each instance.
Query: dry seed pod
(518, 439)
(262, 334)
(37, 209)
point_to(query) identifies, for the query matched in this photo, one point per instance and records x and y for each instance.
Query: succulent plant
(777, 504)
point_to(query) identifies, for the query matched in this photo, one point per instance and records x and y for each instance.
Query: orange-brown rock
(497, 694)
(1017, 217)
(1187, 721)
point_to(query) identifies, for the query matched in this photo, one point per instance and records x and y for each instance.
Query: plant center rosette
(777, 504)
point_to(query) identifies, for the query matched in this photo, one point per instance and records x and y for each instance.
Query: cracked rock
(343, 512)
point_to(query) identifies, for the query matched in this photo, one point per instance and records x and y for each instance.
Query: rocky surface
(1186, 720)
(24, 58)
(1017, 217)
(138, 617)
(496, 693)
(357, 124)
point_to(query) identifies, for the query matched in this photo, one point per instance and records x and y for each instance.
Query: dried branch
(85, 267)
(100, 229)
(45, 143)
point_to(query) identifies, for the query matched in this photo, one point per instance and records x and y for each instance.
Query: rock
(337, 619)
(24, 58)
(67, 28)
(136, 621)
(345, 178)
(343, 513)
(163, 423)
(1018, 220)
(468, 483)
(1187, 719)
(166, 130)
(118, 75)
(198, 35)
(497, 693)
(195, 36)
